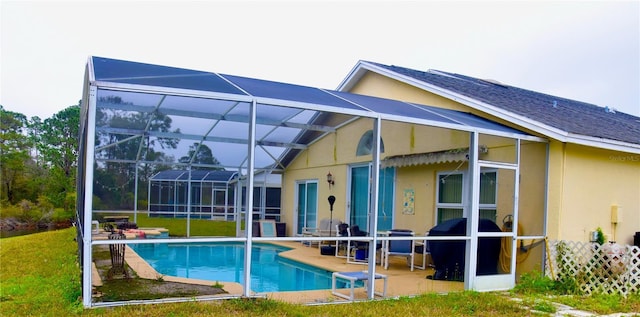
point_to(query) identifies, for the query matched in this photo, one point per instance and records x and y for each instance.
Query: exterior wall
(373, 84)
(594, 181)
(555, 194)
(337, 152)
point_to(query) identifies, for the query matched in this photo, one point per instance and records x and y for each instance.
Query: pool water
(224, 262)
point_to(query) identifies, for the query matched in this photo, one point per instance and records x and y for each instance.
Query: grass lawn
(39, 276)
(178, 226)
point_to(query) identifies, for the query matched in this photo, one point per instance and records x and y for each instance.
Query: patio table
(353, 277)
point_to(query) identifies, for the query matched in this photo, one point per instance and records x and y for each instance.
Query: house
(593, 177)
(433, 149)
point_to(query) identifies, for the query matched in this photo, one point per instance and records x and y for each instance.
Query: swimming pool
(224, 262)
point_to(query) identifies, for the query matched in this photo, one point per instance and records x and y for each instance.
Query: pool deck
(401, 281)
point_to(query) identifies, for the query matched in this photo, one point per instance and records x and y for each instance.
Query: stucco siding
(595, 180)
(373, 84)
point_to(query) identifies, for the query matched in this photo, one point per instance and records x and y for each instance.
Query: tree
(14, 153)
(200, 154)
(126, 140)
(57, 145)
(58, 140)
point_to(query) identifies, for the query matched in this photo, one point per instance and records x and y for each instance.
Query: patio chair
(422, 248)
(342, 231)
(357, 250)
(403, 248)
(117, 256)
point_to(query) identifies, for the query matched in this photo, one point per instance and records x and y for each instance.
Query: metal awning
(438, 157)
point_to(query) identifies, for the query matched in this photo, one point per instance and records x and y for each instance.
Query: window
(366, 144)
(452, 189)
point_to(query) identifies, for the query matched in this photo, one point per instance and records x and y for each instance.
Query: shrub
(534, 282)
(11, 211)
(60, 214)
(142, 204)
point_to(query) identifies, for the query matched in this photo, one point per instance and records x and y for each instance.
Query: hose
(505, 250)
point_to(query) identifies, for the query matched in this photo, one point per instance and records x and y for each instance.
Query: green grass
(178, 226)
(39, 276)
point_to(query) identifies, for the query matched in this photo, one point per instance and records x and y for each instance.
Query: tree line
(39, 160)
(38, 164)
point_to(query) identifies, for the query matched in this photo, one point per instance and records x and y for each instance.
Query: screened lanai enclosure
(190, 145)
(212, 193)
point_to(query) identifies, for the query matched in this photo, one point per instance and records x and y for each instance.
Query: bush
(534, 282)
(142, 204)
(60, 215)
(11, 211)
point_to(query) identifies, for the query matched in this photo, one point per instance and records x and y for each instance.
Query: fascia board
(352, 77)
(603, 143)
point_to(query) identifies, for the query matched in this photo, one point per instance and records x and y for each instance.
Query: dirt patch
(123, 289)
(119, 287)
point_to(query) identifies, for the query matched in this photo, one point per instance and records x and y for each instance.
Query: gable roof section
(560, 118)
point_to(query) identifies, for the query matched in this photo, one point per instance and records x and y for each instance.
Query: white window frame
(465, 192)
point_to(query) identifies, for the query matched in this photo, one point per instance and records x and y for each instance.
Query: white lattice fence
(609, 268)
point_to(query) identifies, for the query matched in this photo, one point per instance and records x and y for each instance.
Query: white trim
(499, 282)
(558, 134)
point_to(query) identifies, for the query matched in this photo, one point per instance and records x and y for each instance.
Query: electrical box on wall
(593, 237)
(616, 214)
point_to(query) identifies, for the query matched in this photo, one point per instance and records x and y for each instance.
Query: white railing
(593, 268)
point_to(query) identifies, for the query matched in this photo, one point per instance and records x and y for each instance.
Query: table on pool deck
(353, 277)
(116, 219)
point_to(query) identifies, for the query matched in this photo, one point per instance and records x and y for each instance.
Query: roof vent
(609, 110)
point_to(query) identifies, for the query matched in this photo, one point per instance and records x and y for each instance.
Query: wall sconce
(330, 179)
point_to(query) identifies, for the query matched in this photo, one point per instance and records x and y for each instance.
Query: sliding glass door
(360, 193)
(307, 205)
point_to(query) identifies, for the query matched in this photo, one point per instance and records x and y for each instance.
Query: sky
(583, 50)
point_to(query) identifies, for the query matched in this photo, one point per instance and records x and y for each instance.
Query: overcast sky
(588, 51)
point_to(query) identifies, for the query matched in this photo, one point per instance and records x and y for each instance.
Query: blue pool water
(224, 262)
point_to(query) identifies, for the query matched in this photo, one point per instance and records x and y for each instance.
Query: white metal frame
(471, 281)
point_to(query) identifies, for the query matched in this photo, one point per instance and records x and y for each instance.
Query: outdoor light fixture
(330, 179)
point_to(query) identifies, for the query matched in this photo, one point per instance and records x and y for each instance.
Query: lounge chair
(403, 248)
(325, 229)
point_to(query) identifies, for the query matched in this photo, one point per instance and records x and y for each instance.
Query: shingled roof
(571, 116)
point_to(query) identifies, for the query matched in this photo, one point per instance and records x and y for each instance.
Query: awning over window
(446, 156)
